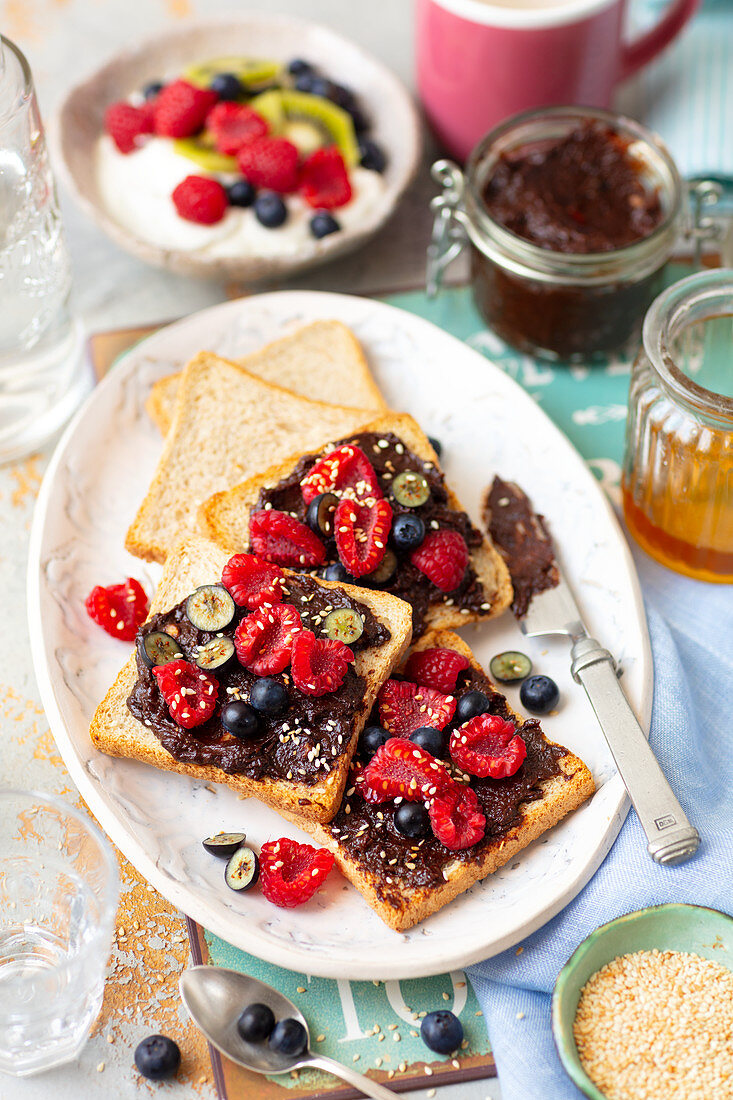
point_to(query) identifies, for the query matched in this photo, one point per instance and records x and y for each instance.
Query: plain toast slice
(390, 870)
(114, 729)
(322, 361)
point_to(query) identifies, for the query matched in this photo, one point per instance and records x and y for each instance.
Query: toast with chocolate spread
(293, 751)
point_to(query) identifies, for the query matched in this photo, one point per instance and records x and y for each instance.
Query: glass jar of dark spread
(571, 215)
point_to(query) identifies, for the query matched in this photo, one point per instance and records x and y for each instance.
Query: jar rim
(586, 266)
(668, 315)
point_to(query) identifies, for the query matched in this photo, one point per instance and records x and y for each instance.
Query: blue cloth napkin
(691, 627)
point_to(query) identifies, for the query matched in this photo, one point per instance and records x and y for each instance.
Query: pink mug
(480, 62)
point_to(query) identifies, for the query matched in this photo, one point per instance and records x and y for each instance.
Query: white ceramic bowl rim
(491, 15)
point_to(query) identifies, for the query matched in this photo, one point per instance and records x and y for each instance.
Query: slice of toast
(114, 729)
(228, 425)
(322, 361)
(386, 867)
(225, 519)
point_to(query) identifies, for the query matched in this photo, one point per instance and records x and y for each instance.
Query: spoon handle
(346, 1073)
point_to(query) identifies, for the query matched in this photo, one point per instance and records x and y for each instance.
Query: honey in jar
(678, 468)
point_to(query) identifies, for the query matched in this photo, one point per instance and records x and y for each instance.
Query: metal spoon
(215, 998)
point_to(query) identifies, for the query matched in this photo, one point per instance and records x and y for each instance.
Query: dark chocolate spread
(367, 832)
(583, 193)
(389, 456)
(523, 540)
(303, 744)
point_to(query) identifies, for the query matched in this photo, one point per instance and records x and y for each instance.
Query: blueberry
(372, 738)
(372, 156)
(297, 67)
(408, 531)
(304, 81)
(336, 572)
(157, 1057)
(441, 1031)
(359, 119)
(240, 719)
(321, 87)
(289, 1037)
(270, 209)
(227, 86)
(436, 445)
(323, 223)
(342, 97)
(151, 90)
(539, 694)
(471, 704)
(256, 1023)
(412, 819)
(241, 193)
(269, 696)
(430, 739)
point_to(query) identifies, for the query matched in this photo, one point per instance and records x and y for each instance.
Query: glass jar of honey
(677, 482)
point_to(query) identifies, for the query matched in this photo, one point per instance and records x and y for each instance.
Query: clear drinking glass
(58, 900)
(42, 378)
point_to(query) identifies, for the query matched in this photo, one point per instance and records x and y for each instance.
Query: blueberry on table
(470, 705)
(224, 845)
(372, 156)
(240, 719)
(241, 193)
(243, 870)
(408, 531)
(539, 694)
(270, 210)
(227, 86)
(322, 224)
(289, 1037)
(256, 1023)
(430, 739)
(510, 666)
(269, 696)
(441, 1031)
(372, 738)
(412, 819)
(157, 1057)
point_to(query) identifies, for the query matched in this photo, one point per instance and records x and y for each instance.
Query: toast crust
(560, 795)
(224, 518)
(116, 732)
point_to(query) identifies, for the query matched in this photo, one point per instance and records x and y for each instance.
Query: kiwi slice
(253, 73)
(202, 151)
(309, 121)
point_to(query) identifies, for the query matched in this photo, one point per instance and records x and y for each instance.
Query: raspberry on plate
(126, 125)
(401, 769)
(290, 873)
(324, 181)
(234, 124)
(278, 537)
(252, 581)
(346, 471)
(361, 532)
(263, 640)
(319, 664)
(180, 109)
(437, 668)
(488, 746)
(271, 163)
(119, 608)
(200, 199)
(406, 707)
(189, 692)
(457, 818)
(443, 558)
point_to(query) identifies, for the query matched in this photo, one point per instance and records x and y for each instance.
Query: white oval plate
(487, 424)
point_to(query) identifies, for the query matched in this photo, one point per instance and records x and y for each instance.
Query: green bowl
(673, 927)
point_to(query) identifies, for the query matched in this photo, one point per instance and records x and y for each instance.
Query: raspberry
(436, 668)
(403, 770)
(271, 163)
(200, 199)
(443, 558)
(253, 582)
(346, 471)
(234, 124)
(405, 707)
(290, 873)
(119, 609)
(361, 532)
(319, 664)
(180, 109)
(126, 124)
(324, 180)
(264, 639)
(189, 692)
(457, 818)
(488, 746)
(278, 537)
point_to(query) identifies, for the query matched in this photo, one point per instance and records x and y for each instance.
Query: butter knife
(671, 838)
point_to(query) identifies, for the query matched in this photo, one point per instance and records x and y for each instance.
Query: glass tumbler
(58, 900)
(42, 377)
